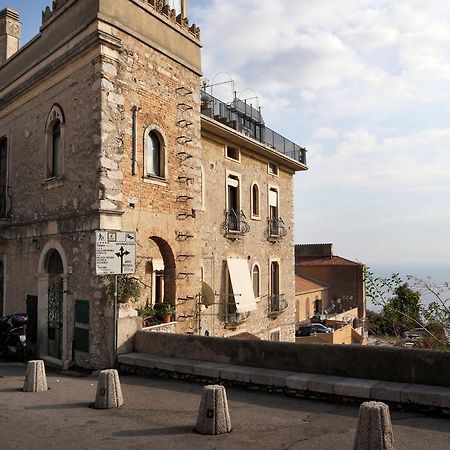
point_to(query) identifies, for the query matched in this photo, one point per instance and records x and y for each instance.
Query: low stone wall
(161, 328)
(354, 361)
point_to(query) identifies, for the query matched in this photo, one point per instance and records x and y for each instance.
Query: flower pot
(167, 318)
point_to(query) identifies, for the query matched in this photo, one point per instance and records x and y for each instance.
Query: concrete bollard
(35, 378)
(109, 392)
(374, 430)
(213, 415)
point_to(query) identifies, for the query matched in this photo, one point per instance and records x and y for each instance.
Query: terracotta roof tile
(333, 261)
(303, 284)
(246, 336)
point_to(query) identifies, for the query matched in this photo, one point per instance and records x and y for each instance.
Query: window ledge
(234, 234)
(275, 238)
(51, 183)
(255, 217)
(237, 161)
(153, 179)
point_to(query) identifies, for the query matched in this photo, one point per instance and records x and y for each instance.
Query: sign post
(115, 254)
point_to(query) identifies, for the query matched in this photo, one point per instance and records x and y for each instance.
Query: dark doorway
(55, 305)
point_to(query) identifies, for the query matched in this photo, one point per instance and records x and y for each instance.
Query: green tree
(402, 308)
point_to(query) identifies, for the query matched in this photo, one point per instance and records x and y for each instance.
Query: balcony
(5, 202)
(277, 304)
(235, 319)
(276, 229)
(235, 224)
(247, 120)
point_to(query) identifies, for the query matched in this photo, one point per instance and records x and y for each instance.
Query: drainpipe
(134, 167)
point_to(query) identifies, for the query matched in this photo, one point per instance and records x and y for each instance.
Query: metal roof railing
(244, 118)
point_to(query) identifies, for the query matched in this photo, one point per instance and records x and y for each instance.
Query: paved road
(160, 414)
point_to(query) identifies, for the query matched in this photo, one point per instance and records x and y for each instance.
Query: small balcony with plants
(277, 304)
(235, 224)
(276, 229)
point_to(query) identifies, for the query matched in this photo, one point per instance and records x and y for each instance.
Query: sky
(363, 85)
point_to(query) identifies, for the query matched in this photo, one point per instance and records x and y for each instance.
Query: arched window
(255, 200)
(155, 161)
(55, 142)
(153, 155)
(256, 278)
(55, 168)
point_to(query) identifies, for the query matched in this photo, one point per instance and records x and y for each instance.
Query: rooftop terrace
(247, 120)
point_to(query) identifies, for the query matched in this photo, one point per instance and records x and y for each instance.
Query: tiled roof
(246, 336)
(333, 261)
(303, 284)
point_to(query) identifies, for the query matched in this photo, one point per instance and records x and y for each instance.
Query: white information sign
(115, 252)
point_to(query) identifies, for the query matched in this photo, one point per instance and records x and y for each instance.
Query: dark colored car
(312, 328)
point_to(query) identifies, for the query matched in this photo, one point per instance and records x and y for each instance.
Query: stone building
(103, 126)
(344, 279)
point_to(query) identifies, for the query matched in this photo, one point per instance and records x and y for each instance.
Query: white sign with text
(115, 252)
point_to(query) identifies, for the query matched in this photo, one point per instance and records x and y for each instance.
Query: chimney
(9, 33)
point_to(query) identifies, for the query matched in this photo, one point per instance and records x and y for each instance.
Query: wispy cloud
(364, 85)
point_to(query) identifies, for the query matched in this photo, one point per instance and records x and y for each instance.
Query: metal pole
(134, 166)
(115, 322)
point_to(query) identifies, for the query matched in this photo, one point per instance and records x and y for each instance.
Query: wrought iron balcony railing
(235, 223)
(5, 202)
(277, 304)
(276, 229)
(234, 319)
(242, 117)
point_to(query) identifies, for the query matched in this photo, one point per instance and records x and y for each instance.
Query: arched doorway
(52, 339)
(55, 310)
(168, 284)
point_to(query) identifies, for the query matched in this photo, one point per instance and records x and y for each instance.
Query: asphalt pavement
(161, 414)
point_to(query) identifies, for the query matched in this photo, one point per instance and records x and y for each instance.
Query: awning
(242, 285)
(273, 197)
(158, 265)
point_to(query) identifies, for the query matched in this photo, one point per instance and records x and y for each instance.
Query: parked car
(311, 329)
(414, 335)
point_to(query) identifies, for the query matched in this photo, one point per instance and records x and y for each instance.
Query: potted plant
(148, 314)
(128, 288)
(165, 311)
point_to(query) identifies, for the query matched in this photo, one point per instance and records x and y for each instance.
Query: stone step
(305, 383)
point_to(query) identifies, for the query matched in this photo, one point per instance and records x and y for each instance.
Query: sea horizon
(435, 273)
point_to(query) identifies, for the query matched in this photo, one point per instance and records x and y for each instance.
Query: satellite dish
(208, 295)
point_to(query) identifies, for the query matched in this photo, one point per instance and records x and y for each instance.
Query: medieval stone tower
(99, 130)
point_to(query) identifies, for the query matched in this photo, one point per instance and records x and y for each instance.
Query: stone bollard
(213, 415)
(109, 392)
(374, 430)
(35, 378)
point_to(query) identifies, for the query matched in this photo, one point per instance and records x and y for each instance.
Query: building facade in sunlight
(104, 127)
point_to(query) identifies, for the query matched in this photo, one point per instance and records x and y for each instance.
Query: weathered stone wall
(253, 246)
(159, 89)
(76, 191)
(352, 361)
(62, 210)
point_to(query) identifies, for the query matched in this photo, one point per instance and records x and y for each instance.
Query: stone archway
(52, 304)
(169, 269)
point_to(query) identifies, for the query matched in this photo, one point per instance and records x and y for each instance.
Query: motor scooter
(13, 340)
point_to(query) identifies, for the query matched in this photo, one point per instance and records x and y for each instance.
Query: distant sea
(436, 273)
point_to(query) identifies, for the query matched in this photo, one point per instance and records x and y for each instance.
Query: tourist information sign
(115, 252)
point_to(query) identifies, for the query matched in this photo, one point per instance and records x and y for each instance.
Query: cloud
(363, 84)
